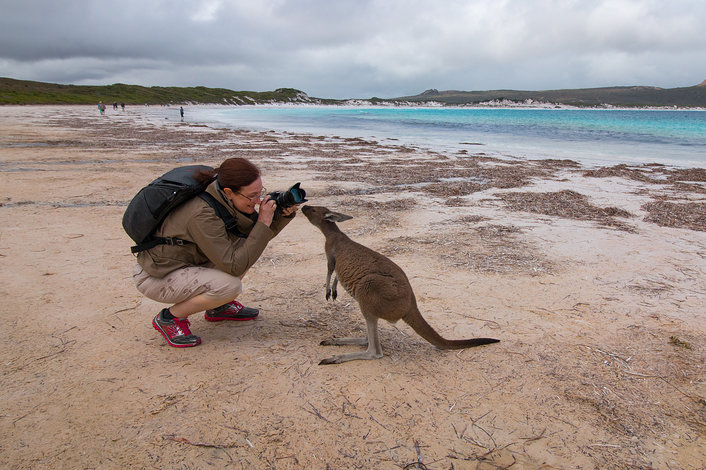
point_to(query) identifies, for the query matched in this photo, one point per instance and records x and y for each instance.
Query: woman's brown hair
(234, 173)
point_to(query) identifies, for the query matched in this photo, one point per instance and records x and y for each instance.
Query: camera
(292, 196)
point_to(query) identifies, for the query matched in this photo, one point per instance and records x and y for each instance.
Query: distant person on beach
(101, 108)
(181, 111)
(122, 105)
(205, 273)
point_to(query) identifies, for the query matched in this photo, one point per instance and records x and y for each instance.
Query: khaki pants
(185, 283)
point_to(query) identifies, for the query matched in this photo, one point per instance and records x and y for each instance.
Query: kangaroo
(380, 287)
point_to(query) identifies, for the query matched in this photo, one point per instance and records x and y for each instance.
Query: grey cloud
(357, 48)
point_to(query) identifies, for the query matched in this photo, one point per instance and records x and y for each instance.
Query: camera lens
(292, 196)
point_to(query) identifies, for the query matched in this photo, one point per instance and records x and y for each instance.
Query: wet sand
(594, 280)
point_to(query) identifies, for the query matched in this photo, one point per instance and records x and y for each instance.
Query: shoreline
(460, 150)
(593, 279)
(496, 144)
(368, 104)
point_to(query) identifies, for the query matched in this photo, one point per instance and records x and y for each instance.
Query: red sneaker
(234, 311)
(175, 331)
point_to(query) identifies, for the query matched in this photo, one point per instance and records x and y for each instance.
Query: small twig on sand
(63, 350)
(419, 452)
(635, 374)
(172, 437)
(419, 463)
(535, 438)
(378, 422)
(460, 436)
(66, 331)
(25, 415)
(124, 310)
(474, 421)
(493, 323)
(315, 412)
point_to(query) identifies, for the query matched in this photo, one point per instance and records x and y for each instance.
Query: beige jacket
(212, 246)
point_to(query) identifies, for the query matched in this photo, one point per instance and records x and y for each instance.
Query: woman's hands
(291, 210)
(267, 211)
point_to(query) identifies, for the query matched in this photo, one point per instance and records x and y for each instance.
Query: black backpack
(148, 209)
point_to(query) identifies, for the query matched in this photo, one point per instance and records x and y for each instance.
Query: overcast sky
(356, 48)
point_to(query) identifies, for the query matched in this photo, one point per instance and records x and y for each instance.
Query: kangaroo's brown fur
(378, 284)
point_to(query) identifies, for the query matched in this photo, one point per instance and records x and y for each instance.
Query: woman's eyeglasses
(257, 197)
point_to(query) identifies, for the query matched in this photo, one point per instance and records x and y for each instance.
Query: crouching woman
(205, 274)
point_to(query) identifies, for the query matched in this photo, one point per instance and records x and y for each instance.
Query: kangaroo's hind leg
(345, 342)
(374, 350)
(331, 290)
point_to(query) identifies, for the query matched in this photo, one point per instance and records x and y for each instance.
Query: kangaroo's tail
(424, 329)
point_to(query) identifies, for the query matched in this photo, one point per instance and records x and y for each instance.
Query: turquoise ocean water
(592, 137)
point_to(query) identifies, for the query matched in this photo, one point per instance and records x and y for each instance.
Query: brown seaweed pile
(690, 215)
(566, 204)
(682, 179)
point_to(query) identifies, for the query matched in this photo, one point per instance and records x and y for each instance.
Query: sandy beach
(593, 280)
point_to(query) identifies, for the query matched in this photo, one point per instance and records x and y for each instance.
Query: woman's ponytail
(205, 176)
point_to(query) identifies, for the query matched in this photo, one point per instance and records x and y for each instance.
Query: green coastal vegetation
(28, 92)
(23, 92)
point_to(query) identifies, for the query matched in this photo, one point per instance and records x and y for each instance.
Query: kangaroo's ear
(336, 217)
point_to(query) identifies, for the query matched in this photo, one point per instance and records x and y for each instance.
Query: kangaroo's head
(319, 215)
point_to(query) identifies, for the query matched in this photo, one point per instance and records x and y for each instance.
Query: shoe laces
(182, 326)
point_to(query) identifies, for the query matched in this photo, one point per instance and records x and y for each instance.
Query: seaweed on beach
(491, 174)
(688, 174)
(566, 204)
(681, 179)
(463, 221)
(438, 177)
(642, 173)
(558, 164)
(691, 215)
(454, 190)
(688, 180)
(383, 207)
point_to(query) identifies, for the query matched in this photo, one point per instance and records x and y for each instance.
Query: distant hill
(624, 96)
(27, 92)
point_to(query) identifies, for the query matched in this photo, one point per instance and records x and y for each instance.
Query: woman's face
(247, 197)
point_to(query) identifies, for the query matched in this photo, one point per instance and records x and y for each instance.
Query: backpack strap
(230, 222)
(154, 241)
